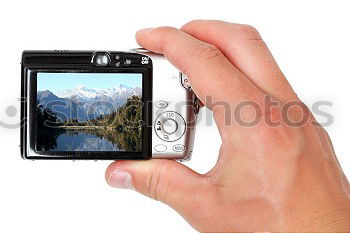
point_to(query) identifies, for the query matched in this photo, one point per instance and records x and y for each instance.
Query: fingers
(209, 71)
(243, 46)
(165, 180)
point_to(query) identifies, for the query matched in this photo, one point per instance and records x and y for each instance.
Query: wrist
(334, 217)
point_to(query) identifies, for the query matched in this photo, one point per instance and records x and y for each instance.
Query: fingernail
(143, 30)
(120, 179)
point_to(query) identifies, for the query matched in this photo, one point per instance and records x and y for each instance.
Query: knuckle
(157, 185)
(206, 52)
(153, 185)
(296, 114)
(247, 32)
(287, 141)
(191, 23)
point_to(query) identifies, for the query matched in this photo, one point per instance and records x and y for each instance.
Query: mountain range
(84, 103)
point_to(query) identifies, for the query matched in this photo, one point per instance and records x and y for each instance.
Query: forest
(122, 127)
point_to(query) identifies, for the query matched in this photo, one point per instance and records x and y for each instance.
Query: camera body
(105, 106)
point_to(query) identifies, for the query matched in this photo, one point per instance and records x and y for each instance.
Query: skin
(266, 178)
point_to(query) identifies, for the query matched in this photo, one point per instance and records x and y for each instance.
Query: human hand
(268, 177)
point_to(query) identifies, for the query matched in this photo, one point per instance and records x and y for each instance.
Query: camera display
(89, 112)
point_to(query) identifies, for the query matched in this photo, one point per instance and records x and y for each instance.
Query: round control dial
(170, 126)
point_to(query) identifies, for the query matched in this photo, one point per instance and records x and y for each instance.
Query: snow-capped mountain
(86, 103)
(83, 93)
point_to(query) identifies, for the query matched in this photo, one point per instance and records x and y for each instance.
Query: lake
(80, 140)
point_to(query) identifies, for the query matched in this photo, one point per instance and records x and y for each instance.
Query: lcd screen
(89, 112)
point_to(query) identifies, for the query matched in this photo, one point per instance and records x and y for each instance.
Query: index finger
(244, 47)
(209, 71)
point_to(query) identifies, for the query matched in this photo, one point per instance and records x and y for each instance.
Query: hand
(268, 177)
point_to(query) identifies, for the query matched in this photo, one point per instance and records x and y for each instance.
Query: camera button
(161, 104)
(179, 148)
(127, 62)
(160, 148)
(170, 126)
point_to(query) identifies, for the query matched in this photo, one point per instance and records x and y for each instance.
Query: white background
(310, 40)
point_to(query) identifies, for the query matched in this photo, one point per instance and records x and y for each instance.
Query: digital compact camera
(105, 105)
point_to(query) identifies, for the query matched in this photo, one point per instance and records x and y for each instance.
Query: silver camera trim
(172, 88)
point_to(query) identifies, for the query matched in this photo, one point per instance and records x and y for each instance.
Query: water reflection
(83, 141)
(76, 140)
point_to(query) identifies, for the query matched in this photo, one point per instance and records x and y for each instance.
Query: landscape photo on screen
(89, 112)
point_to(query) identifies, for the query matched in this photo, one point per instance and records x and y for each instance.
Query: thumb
(165, 180)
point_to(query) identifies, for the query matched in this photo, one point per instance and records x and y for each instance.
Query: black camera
(105, 105)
